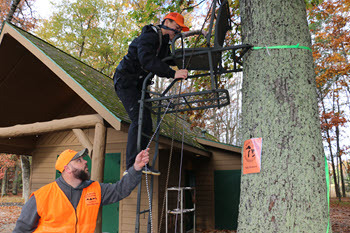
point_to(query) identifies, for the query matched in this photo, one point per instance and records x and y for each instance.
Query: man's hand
(141, 159)
(181, 74)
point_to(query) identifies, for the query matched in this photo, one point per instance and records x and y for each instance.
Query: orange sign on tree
(252, 155)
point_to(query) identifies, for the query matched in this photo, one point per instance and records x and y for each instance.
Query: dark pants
(130, 97)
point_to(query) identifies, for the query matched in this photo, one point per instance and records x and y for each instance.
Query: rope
(146, 168)
(178, 192)
(169, 165)
(149, 201)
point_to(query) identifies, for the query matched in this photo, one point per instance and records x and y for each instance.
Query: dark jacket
(110, 193)
(142, 58)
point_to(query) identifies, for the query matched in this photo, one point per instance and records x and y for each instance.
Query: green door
(227, 191)
(110, 213)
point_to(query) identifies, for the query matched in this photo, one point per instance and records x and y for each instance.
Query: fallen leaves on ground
(10, 198)
(9, 214)
(340, 215)
(10, 209)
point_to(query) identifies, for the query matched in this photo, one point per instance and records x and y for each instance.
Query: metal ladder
(181, 211)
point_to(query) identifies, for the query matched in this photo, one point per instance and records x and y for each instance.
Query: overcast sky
(43, 7)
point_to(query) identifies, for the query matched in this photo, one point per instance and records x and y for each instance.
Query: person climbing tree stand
(145, 55)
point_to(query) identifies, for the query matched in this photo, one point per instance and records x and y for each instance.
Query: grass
(345, 201)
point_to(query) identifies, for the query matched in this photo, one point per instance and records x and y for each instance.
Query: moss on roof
(101, 88)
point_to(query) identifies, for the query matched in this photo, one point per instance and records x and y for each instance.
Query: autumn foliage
(329, 27)
(23, 16)
(6, 161)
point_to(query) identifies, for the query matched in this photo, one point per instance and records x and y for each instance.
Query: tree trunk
(12, 11)
(25, 176)
(16, 180)
(336, 185)
(4, 183)
(280, 106)
(339, 153)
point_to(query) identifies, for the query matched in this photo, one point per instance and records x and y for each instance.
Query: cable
(169, 165)
(178, 192)
(146, 168)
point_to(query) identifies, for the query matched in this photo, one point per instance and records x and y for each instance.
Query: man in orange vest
(71, 203)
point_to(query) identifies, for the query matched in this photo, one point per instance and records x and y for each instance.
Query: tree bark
(280, 106)
(16, 179)
(336, 185)
(25, 164)
(337, 133)
(4, 183)
(12, 11)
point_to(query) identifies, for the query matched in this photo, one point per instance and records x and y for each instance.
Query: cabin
(51, 101)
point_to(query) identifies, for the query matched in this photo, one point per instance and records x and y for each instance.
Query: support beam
(83, 139)
(98, 153)
(84, 121)
(97, 163)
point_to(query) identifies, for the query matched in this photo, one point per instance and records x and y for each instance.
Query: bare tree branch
(12, 11)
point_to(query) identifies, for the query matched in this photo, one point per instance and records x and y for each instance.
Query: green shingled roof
(101, 88)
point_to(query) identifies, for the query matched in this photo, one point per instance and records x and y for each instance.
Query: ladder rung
(144, 211)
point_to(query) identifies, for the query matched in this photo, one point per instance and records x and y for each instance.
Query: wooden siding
(205, 194)
(205, 206)
(226, 160)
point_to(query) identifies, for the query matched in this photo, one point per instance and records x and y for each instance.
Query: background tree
(96, 32)
(99, 32)
(25, 165)
(7, 161)
(329, 25)
(280, 106)
(146, 11)
(18, 12)
(17, 176)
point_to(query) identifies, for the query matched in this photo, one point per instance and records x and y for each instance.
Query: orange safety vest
(57, 214)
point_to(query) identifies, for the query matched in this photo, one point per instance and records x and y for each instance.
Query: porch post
(97, 163)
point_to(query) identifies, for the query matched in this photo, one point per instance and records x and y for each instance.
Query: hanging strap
(160, 36)
(297, 46)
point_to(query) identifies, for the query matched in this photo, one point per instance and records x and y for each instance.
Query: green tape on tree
(327, 180)
(297, 46)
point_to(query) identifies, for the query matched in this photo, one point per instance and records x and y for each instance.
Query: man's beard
(81, 174)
